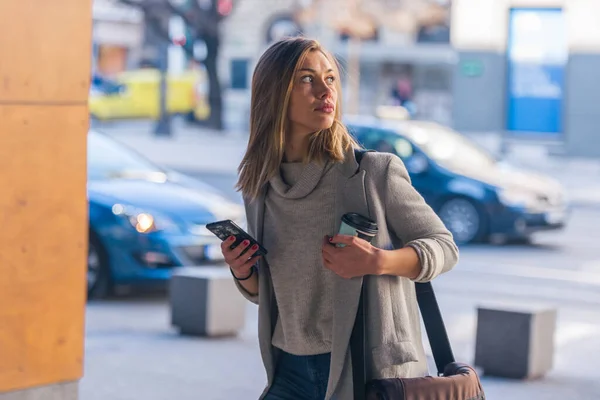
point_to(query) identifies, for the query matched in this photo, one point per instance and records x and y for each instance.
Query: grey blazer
(381, 190)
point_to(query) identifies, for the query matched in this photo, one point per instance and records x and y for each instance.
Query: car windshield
(446, 146)
(108, 159)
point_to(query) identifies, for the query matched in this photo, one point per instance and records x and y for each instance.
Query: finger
(328, 247)
(242, 260)
(244, 268)
(327, 261)
(248, 255)
(226, 244)
(252, 250)
(251, 262)
(240, 248)
(344, 239)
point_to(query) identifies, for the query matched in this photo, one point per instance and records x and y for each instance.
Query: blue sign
(537, 55)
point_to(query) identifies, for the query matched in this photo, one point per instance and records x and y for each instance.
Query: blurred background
(493, 105)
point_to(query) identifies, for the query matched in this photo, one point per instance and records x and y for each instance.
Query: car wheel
(98, 272)
(464, 219)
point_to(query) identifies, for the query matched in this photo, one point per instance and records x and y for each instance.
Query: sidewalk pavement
(132, 352)
(205, 151)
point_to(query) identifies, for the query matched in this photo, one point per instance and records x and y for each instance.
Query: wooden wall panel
(43, 215)
(44, 86)
(45, 49)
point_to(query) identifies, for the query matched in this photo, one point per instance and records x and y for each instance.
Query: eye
(307, 79)
(331, 79)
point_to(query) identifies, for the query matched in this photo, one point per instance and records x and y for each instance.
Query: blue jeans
(300, 377)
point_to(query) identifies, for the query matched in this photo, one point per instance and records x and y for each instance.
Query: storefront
(537, 54)
(409, 49)
(529, 70)
(117, 37)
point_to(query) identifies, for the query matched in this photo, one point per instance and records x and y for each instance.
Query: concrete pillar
(44, 84)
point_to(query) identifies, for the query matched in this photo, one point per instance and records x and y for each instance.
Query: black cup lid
(359, 222)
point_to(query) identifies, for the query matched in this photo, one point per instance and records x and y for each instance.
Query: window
(239, 74)
(385, 142)
(448, 147)
(107, 158)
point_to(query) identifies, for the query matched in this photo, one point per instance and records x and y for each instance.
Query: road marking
(529, 271)
(593, 265)
(568, 333)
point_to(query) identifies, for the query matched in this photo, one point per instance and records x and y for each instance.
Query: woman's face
(314, 96)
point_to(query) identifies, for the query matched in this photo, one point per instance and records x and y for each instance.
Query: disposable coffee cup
(354, 224)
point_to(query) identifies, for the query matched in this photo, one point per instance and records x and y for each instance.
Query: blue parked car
(145, 220)
(476, 195)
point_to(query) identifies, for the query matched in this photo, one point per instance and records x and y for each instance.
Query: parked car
(145, 220)
(136, 94)
(477, 196)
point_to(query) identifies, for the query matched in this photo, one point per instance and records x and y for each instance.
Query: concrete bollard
(515, 342)
(204, 301)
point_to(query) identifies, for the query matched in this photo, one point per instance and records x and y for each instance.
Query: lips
(326, 108)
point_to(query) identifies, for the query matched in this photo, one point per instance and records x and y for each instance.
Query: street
(126, 124)
(215, 156)
(132, 352)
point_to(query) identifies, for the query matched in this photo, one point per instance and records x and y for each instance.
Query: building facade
(406, 55)
(117, 37)
(530, 69)
(244, 38)
(525, 68)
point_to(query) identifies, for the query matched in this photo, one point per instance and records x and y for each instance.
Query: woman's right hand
(240, 265)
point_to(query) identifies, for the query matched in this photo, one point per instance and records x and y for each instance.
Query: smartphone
(226, 228)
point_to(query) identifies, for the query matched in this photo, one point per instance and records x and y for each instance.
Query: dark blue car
(476, 195)
(145, 220)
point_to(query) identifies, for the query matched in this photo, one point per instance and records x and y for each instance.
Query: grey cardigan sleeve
(416, 224)
(244, 292)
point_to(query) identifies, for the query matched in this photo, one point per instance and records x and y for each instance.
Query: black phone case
(226, 228)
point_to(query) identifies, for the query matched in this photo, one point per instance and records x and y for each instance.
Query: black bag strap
(434, 326)
(357, 338)
(357, 350)
(358, 155)
(432, 319)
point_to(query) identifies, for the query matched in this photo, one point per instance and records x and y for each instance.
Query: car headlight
(145, 222)
(518, 198)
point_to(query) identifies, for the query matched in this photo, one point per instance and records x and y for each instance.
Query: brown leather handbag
(455, 381)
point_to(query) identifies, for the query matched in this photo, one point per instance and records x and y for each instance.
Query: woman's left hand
(357, 258)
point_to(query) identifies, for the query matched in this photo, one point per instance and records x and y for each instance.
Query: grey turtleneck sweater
(299, 212)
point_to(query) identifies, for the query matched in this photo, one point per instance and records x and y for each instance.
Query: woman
(298, 177)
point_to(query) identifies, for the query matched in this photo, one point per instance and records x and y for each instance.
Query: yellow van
(136, 95)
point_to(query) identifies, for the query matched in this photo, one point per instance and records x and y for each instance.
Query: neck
(296, 148)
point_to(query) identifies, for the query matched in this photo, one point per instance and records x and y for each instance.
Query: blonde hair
(272, 85)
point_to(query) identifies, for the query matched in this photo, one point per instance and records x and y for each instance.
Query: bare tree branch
(177, 11)
(203, 24)
(205, 20)
(132, 3)
(159, 29)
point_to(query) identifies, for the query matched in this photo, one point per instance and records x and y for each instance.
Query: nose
(323, 90)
